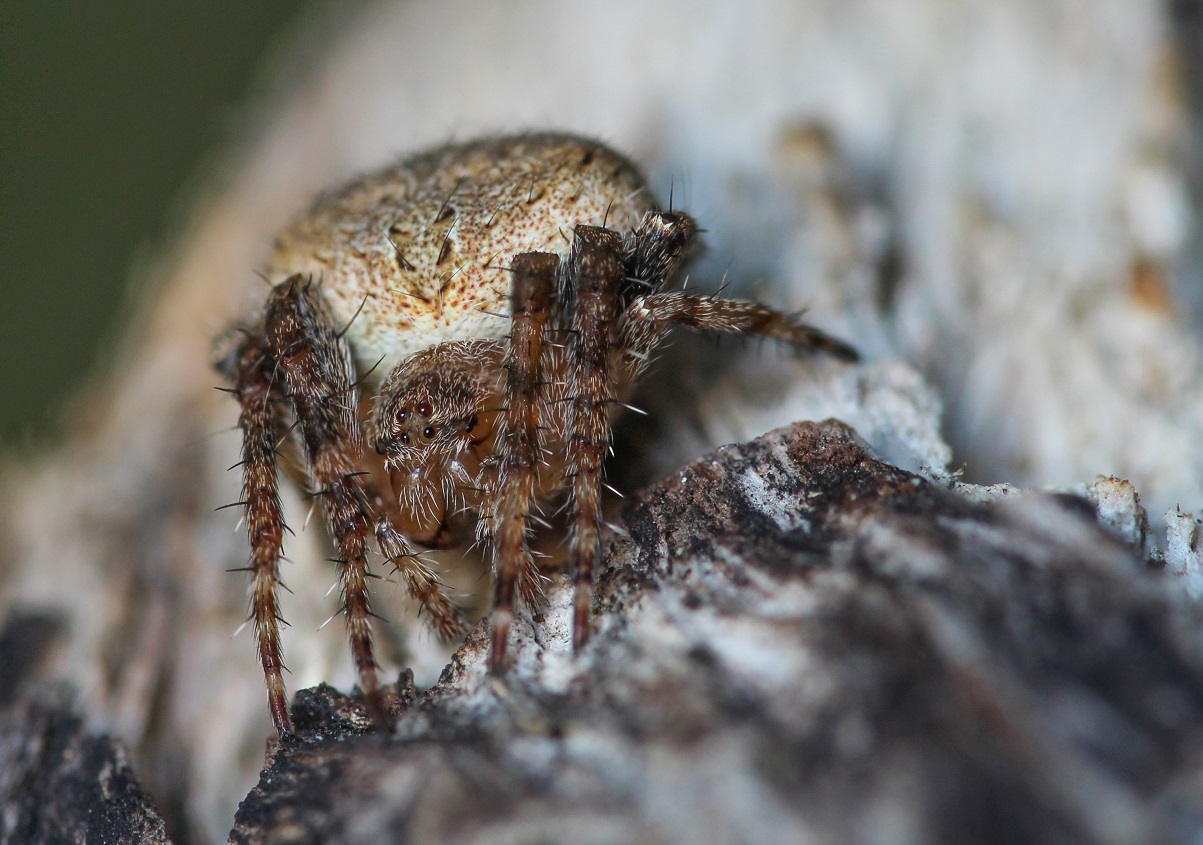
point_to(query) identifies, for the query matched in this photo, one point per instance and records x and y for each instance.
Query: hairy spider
(510, 290)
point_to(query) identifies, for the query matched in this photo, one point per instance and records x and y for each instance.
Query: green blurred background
(107, 109)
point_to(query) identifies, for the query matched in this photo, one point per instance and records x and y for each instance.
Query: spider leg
(596, 273)
(647, 320)
(258, 398)
(653, 255)
(317, 367)
(510, 489)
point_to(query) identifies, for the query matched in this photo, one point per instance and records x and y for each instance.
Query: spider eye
(402, 415)
(427, 434)
(424, 410)
(405, 439)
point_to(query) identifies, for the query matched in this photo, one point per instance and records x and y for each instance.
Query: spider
(498, 299)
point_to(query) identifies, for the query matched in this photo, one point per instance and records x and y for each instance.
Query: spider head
(414, 430)
(430, 425)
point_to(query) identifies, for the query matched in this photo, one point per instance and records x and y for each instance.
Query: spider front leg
(654, 253)
(510, 482)
(317, 368)
(648, 319)
(596, 274)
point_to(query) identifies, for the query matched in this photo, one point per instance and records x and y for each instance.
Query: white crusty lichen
(1120, 511)
(1184, 550)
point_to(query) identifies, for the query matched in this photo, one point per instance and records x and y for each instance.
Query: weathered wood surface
(796, 643)
(59, 783)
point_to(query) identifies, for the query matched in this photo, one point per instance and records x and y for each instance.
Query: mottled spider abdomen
(423, 247)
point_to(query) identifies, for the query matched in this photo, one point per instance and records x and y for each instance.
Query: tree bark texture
(797, 643)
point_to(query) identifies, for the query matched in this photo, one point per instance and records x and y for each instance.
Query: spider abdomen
(418, 254)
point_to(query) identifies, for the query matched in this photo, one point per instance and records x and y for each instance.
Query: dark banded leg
(596, 273)
(519, 443)
(316, 365)
(261, 426)
(647, 320)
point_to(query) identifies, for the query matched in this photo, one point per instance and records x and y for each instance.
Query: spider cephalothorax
(510, 291)
(433, 424)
